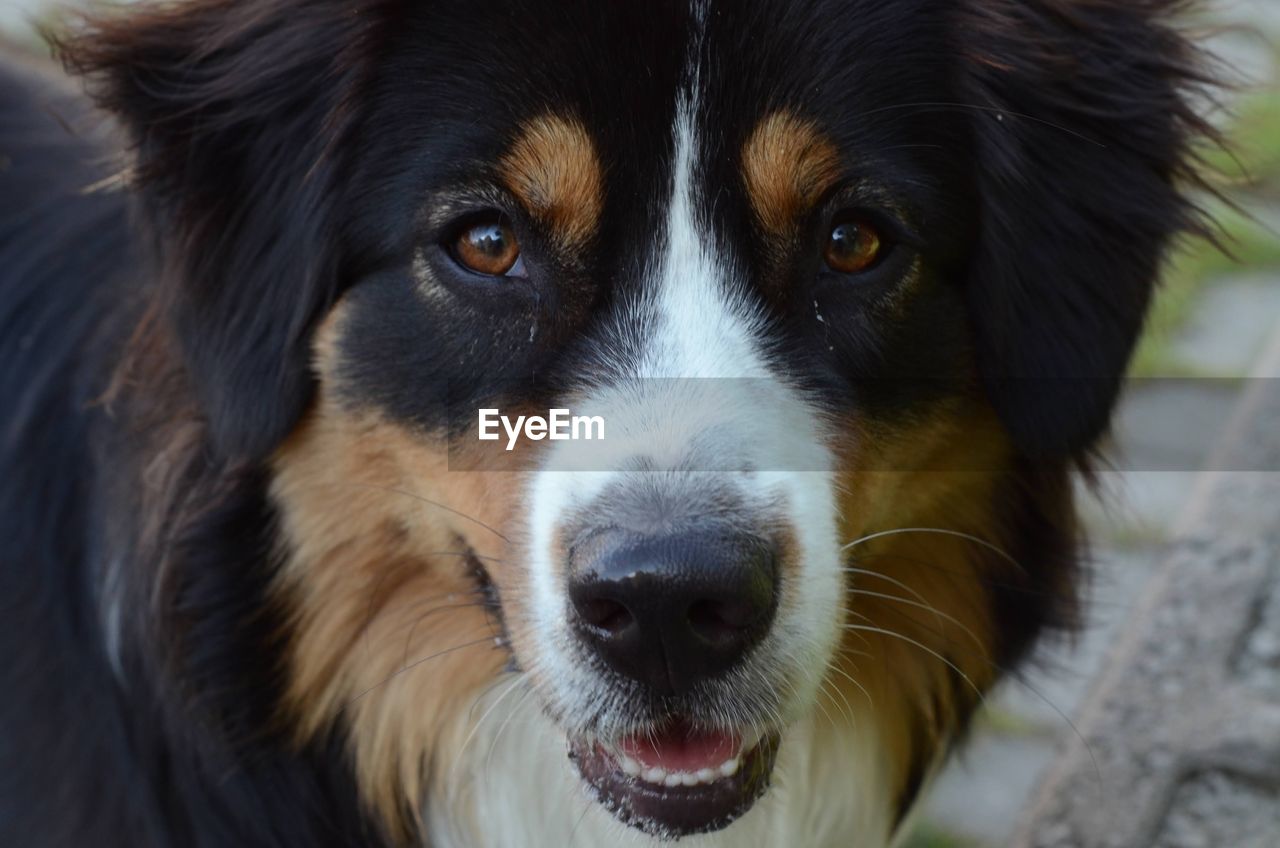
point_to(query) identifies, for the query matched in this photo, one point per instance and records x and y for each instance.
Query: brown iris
(854, 245)
(489, 248)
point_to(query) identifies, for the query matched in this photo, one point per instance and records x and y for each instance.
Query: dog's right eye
(489, 248)
(854, 245)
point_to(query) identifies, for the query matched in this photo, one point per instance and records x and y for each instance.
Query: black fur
(1083, 145)
(178, 747)
(239, 116)
(265, 158)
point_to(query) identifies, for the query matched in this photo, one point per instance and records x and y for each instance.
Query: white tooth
(707, 775)
(729, 767)
(672, 779)
(689, 778)
(629, 766)
(655, 774)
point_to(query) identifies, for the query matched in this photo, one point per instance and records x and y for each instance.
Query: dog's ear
(1085, 147)
(236, 112)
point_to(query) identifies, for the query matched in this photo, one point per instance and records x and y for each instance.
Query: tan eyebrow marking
(787, 165)
(553, 169)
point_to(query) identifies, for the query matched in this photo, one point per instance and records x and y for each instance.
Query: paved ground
(1181, 736)
(1162, 425)
(1165, 428)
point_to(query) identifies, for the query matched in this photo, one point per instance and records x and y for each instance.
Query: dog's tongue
(681, 748)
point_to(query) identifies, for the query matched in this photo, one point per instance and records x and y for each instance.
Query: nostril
(606, 615)
(672, 610)
(722, 621)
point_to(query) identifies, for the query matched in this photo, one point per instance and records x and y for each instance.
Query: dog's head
(848, 283)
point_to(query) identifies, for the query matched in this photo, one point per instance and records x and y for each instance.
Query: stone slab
(980, 793)
(1217, 809)
(1180, 737)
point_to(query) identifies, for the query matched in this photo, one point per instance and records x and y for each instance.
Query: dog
(849, 287)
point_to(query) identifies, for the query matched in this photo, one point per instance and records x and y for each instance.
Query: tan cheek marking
(553, 169)
(787, 165)
(324, 347)
(383, 610)
(928, 588)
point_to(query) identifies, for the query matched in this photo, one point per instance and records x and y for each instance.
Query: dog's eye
(853, 245)
(488, 248)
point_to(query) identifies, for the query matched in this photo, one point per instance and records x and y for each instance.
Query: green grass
(1192, 270)
(929, 836)
(1254, 158)
(1006, 723)
(1135, 535)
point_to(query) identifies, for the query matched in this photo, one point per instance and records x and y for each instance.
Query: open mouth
(678, 781)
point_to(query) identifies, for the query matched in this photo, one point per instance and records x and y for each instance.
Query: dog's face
(830, 273)
(745, 268)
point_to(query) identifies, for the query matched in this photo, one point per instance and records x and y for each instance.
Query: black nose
(670, 611)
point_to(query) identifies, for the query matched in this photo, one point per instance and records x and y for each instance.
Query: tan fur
(929, 589)
(371, 512)
(383, 605)
(787, 165)
(553, 169)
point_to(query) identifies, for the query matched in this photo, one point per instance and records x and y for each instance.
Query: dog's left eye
(490, 248)
(854, 245)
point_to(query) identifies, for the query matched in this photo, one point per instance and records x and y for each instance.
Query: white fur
(516, 788)
(702, 372)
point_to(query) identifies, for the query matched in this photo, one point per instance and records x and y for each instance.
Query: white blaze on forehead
(702, 331)
(703, 370)
(703, 378)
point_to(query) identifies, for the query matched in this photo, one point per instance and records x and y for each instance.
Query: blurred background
(1215, 316)
(1212, 321)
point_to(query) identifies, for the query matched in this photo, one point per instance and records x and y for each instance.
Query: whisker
(895, 635)
(417, 603)
(942, 532)
(416, 663)
(822, 688)
(1009, 673)
(827, 687)
(849, 569)
(995, 666)
(483, 693)
(476, 727)
(434, 503)
(967, 575)
(586, 809)
(408, 640)
(863, 639)
(833, 667)
(928, 607)
(488, 760)
(1093, 758)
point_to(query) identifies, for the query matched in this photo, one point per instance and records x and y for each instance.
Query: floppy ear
(236, 112)
(1085, 144)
